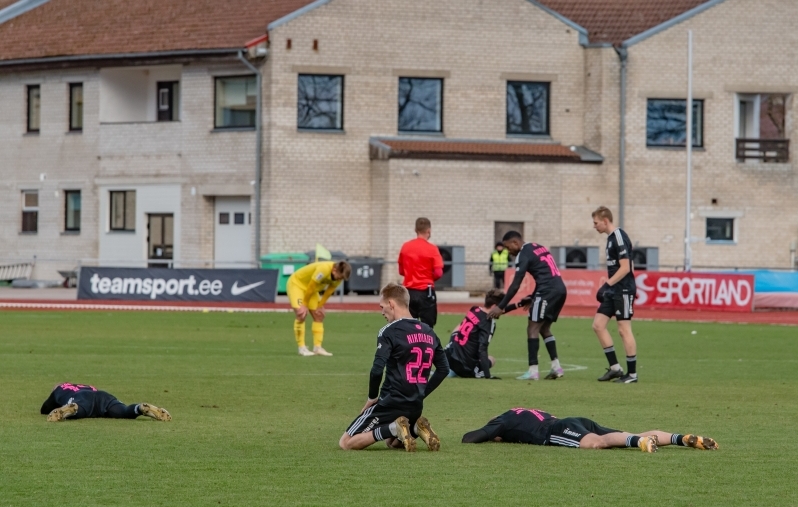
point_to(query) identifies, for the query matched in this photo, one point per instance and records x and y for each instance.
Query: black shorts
(424, 306)
(461, 371)
(547, 305)
(569, 432)
(95, 404)
(621, 306)
(377, 415)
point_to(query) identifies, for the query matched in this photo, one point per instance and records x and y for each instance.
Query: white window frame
(727, 214)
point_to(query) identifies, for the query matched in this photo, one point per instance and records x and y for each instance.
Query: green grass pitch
(256, 424)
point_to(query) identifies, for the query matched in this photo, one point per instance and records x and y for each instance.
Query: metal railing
(765, 150)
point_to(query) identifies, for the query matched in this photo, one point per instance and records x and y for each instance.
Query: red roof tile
(102, 27)
(471, 150)
(614, 21)
(6, 3)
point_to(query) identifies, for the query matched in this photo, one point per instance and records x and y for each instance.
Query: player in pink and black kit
(467, 350)
(78, 401)
(406, 351)
(547, 300)
(534, 426)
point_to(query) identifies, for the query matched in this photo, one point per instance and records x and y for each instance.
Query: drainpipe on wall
(622, 55)
(258, 149)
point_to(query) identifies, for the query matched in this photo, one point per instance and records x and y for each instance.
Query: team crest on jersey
(319, 277)
(418, 326)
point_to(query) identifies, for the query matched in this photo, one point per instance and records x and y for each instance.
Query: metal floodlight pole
(258, 149)
(688, 254)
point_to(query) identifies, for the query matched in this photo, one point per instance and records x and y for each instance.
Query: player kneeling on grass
(533, 426)
(467, 350)
(78, 401)
(406, 350)
(303, 289)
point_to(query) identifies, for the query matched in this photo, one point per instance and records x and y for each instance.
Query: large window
(420, 105)
(720, 229)
(30, 211)
(75, 107)
(320, 102)
(666, 122)
(34, 113)
(235, 102)
(527, 108)
(123, 210)
(72, 215)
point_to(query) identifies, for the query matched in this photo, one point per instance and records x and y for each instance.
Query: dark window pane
(420, 104)
(72, 211)
(34, 96)
(130, 210)
(31, 199)
(320, 102)
(123, 211)
(224, 218)
(76, 106)
(30, 221)
(720, 229)
(238, 218)
(666, 121)
(236, 99)
(527, 108)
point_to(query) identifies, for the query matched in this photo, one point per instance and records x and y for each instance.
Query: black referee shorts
(569, 432)
(424, 305)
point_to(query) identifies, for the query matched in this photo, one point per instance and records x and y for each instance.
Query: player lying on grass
(303, 289)
(78, 401)
(406, 350)
(467, 350)
(533, 426)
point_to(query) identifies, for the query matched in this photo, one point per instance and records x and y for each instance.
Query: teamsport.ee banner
(159, 284)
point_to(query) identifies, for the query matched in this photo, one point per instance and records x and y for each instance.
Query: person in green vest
(499, 260)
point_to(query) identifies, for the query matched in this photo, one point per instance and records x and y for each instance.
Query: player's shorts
(94, 404)
(547, 305)
(296, 296)
(621, 306)
(377, 415)
(569, 432)
(460, 370)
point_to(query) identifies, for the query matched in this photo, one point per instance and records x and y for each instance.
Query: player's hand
(495, 312)
(301, 313)
(318, 314)
(609, 293)
(525, 303)
(601, 291)
(369, 403)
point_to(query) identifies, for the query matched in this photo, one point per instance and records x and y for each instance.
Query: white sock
(415, 429)
(633, 375)
(615, 367)
(555, 364)
(533, 369)
(138, 409)
(392, 428)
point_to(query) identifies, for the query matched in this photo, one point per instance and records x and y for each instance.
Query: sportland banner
(659, 289)
(159, 284)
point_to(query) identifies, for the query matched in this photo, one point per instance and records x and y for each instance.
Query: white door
(233, 232)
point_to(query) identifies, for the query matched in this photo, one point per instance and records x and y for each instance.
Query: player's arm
(624, 264)
(329, 292)
(437, 265)
(441, 370)
(522, 303)
(380, 360)
(313, 285)
(400, 262)
(485, 335)
(485, 434)
(520, 272)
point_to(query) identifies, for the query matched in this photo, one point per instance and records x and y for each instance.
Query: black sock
(551, 346)
(677, 439)
(532, 345)
(382, 432)
(631, 365)
(610, 353)
(632, 440)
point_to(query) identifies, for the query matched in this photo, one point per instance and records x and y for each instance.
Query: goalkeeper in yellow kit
(303, 292)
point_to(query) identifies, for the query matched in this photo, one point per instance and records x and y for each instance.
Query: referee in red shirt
(420, 262)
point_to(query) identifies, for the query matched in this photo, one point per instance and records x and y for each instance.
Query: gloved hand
(600, 292)
(609, 293)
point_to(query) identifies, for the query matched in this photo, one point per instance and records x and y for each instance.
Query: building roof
(112, 27)
(383, 148)
(615, 21)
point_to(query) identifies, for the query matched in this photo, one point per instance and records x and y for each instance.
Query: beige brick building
(480, 115)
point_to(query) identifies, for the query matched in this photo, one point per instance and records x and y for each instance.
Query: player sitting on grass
(406, 350)
(467, 350)
(78, 401)
(533, 426)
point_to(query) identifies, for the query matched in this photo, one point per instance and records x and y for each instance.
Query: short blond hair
(397, 293)
(344, 269)
(603, 212)
(422, 225)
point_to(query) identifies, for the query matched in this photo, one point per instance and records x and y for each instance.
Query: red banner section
(695, 291)
(658, 289)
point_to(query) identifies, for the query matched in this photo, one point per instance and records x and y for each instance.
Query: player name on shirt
(420, 338)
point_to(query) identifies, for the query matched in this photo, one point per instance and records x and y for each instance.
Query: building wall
(475, 46)
(740, 46)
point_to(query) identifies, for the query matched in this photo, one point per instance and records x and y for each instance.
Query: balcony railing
(765, 150)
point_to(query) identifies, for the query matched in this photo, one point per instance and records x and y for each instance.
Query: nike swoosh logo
(235, 290)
